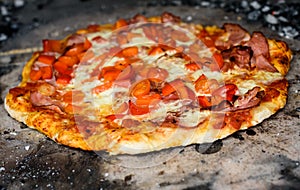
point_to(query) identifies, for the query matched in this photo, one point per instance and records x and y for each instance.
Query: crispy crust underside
(64, 128)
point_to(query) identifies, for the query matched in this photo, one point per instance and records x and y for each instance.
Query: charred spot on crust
(209, 148)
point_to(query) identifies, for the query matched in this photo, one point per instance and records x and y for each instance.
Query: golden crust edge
(281, 55)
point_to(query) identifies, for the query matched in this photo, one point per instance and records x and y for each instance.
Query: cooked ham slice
(236, 35)
(262, 63)
(168, 17)
(260, 48)
(258, 44)
(238, 55)
(252, 98)
(41, 98)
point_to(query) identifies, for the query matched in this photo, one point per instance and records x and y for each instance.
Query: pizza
(147, 84)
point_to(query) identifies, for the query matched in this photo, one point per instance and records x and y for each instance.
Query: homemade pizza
(147, 84)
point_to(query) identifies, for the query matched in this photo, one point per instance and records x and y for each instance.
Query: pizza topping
(250, 99)
(225, 92)
(203, 85)
(168, 17)
(262, 63)
(76, 39)
(238, 55)
(204, 101)
(54, 46)
(260, 48)
(129, 52)
(35, 75)
(39, 99)
(68, 60)
(120, 23)
(155, 51)
(137, 110)
(236, 34)
(148, 99)
(138, 18)
(102, 87)
(157, 73)
(141, 88)
(258, 44)
(63, 79)
(236, 119)
(46, 59)
(151, 78)
(167, 89)
(193, 66)
(73, 96)
(47, 72)
(62, 68)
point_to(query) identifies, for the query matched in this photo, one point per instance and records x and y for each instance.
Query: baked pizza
(146, 84)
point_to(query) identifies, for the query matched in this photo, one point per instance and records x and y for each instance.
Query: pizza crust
(69, 130)
(280, 55)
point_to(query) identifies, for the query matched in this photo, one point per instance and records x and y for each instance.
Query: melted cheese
(107, 101)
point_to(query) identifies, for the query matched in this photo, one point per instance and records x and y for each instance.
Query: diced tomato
(208, 42)
(62, 68)
(227, 91)
(141, 88)
(218, 62)
(93, 27)
(138, 110)
(204, 101)
(167, 89)
(73, 96)
(102, 88)
(201, 85)
(75, 50)
(130, 51)
(122, 39)
(72, 109)
(54, 46)
(109, 73)
(35, 75)
(63, 79)
(206, 39)
(146, 100)
(155, 51)
(203, 33)
(87, 44)
(111, 117)
(68, 60)
(193, 66)
(120, 23)
(47, 59)
(46, 72)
